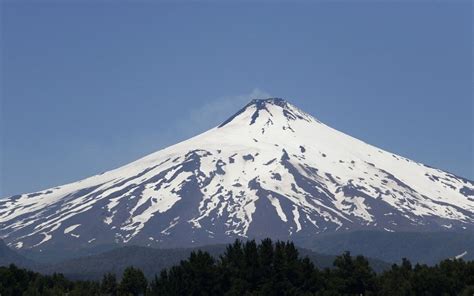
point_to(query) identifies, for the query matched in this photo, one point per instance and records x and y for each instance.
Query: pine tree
(108, 286)
(354, 276)
(133, 282)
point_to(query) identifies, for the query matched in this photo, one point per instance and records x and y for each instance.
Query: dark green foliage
(450, 277)
(354, 275)
(277, 269)
(16, 281)
(133, 282)
(196, 276)
(265, 269)
(397, 281)
(108, 286)
(257, 269)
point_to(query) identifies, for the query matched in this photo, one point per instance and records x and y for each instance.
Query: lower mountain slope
(9, 256)
(151, 261)
(426, 247)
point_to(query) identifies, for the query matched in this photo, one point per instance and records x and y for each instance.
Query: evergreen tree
(257, 269)
(397, 280)
(108, 286)
(200, 274)
(85, 288)
(133, 282)
(354, 276)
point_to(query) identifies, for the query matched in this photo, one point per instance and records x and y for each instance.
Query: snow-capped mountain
(270, 170)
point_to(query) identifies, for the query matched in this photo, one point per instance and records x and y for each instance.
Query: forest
(251, 268)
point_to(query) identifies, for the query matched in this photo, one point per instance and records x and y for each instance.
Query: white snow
(461, 255)
(296, 215)
(276, 203)
(71, 228)
(331, 159)
(46, 237)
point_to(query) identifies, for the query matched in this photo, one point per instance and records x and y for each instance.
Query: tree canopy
(251, 268)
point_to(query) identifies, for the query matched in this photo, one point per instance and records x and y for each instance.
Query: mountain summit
(270, 170)
(257, 106)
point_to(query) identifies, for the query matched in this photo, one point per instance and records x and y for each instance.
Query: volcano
(270, 170)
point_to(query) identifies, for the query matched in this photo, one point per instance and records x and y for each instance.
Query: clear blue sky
(88, 86)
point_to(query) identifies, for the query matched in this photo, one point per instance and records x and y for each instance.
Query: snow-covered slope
(269, 170)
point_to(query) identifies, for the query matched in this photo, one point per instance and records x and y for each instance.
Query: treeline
(257, 269)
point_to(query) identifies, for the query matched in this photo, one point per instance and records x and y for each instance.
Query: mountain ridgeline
(270, 170)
